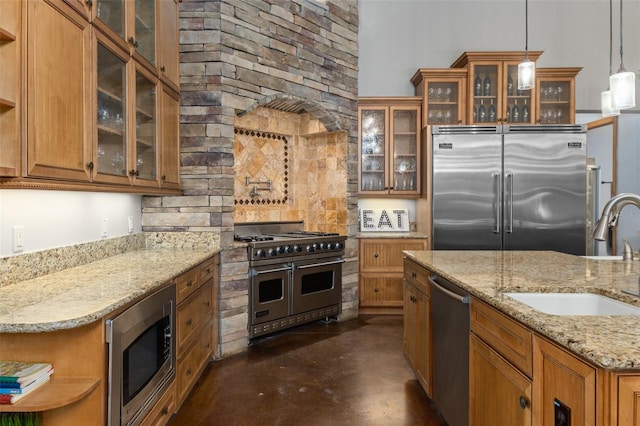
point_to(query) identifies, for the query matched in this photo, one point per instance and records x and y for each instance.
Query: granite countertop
(80, 295)
(412, 234)
(611, 342)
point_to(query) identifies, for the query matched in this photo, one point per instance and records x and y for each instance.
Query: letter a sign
(384, 220)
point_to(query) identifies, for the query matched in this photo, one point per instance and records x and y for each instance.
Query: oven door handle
(335, 262)
(266, 271)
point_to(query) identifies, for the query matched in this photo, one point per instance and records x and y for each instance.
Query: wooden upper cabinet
(443, 92)
(58, 91)
(10, 101)
(556, 93)
(143, 166)
(492, 88)
(170, 140)
(390, 146)
(169, 43)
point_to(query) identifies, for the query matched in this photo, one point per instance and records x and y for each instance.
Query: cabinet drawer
(381, 290)
(192, 313)
(187, 283)
(417, 275)
(163, 409)
(193, 361)
(385, 255)
(208, 269)
(510, 339)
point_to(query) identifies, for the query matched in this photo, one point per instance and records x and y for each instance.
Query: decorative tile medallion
(262, 162)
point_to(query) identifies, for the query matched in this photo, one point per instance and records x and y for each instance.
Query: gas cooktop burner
(250, 238)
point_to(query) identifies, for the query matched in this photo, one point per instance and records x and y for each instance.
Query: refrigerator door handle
(509, 185)
(498, 201)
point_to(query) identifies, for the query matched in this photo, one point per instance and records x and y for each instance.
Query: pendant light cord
(621, 62)
(526, 28)
(610, 37)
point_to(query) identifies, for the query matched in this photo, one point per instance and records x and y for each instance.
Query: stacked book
(18, 379)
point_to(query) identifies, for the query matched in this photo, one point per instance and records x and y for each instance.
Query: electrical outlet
(18, 238)
(105, 227)
(130, 219)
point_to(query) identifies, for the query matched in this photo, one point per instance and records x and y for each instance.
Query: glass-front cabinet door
(144, 39)
(555, 95)
(519, 103)
(443, 94)
(389, 146)
(146, 140)
(111, 147)
(111, 14)
(373, 147)
(485, 93)
(404, 149)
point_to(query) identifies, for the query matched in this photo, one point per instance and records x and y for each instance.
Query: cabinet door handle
(189, 322)
(414, 275)
(90, 165)
(162, 68)
(375, 255)
(188, 371)
(89, 3)
(189, 283)
(165, 411)
(135, 173)
(524, 402)
(164, 178)
(134, 42)
(375, 290)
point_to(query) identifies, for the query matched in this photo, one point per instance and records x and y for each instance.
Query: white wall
(61, 218)
(399, 36)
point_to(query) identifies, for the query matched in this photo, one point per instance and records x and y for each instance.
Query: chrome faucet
(611, 215)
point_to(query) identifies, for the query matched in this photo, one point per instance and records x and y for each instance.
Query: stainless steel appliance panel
(270, 292)
(467, 166)
(450, 318)
(545, 191)
(316, 284)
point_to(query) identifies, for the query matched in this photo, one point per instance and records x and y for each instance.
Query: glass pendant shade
(623, 89)
(607, 107)
(526, 75)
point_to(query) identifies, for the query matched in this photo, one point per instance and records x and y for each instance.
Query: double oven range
(295, 276)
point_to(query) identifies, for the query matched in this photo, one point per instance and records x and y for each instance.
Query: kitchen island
(595, 359)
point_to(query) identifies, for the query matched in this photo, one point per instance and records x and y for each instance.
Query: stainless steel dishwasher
(450, 333)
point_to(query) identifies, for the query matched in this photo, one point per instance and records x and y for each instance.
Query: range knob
(288, 249)
(331, 246)
(273, 252)
(280, 250)
(311, 248)
(297, 248)
(260, 253)
(315, 246)
(339, 246)
(323, 246)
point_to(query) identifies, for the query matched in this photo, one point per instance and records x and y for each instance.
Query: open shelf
(59, 392)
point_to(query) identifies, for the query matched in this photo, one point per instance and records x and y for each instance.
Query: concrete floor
(349, 373)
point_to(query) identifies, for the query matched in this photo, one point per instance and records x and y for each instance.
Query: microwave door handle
(497, 187)
(313, 265)
(509, 226)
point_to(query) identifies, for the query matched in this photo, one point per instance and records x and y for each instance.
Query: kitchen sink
(603, 257)
(574, 304)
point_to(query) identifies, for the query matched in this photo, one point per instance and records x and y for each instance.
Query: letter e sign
(384, 220)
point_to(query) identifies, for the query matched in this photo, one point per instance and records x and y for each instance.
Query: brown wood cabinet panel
(10, 84)
(417, 333)
(163, 408)
(58, 91)
(628, 413)
(187, 283)
(510, 339)
(381, 290)
(192, 362)
(561, 377)
(385, 254)
(500, 394)
(168, 42)
(191, 313)
(170, 146)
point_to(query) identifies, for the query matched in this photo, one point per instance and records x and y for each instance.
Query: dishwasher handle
(457, 297)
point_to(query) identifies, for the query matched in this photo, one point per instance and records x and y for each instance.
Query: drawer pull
(414, 275)
(375, 290)
(375, 255)
(524, 402)
(208, 270)
(207, 303)
(165, 411)
(189, 283)
(189, 322)
(188, 371)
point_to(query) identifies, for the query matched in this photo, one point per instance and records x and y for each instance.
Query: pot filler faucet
(610, 217)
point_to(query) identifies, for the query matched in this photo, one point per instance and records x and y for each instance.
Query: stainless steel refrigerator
(509, 187)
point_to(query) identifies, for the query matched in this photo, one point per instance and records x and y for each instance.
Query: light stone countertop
(413, 234)
(611, 342)
(80, 295)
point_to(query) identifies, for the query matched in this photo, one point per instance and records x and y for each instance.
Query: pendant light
(606, 102)
(527, 68)
(623, 83)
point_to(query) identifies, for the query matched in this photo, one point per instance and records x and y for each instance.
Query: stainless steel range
(295, 275)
